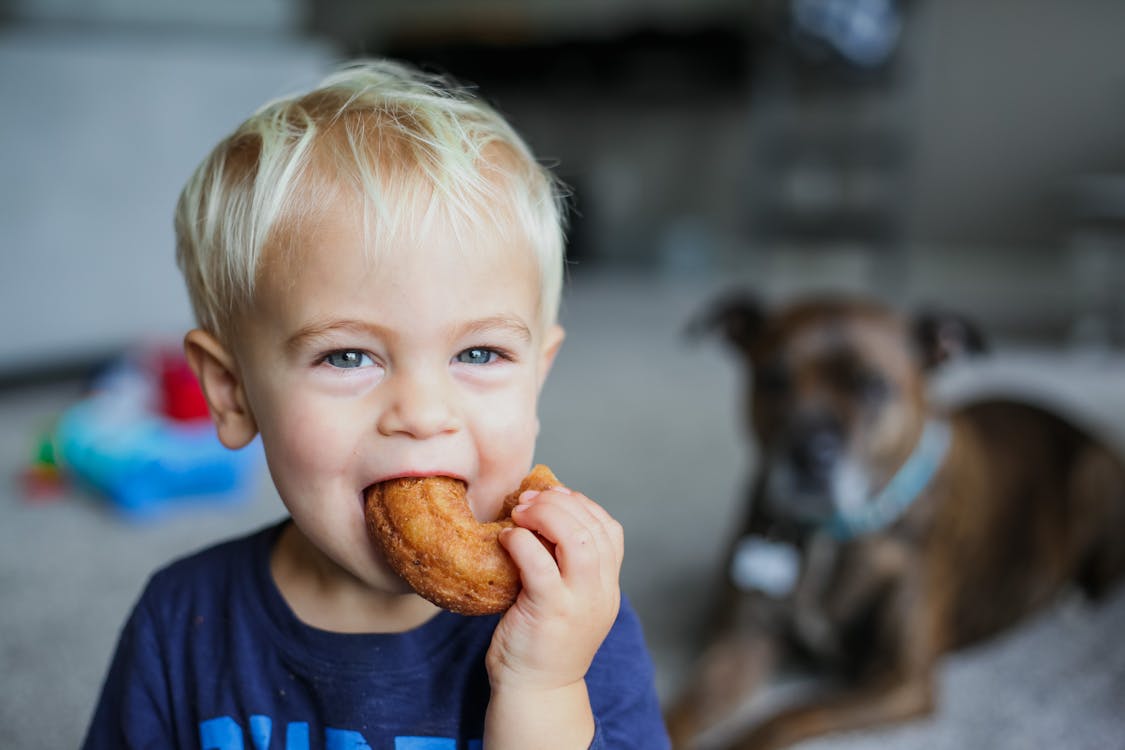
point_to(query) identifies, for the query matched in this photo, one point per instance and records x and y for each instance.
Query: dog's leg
(730, 670)
(884, 702)
(744, 647)
(1097, 499)
(910, 632)
(742, 652)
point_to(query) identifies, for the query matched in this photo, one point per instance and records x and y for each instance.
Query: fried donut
(429, 536)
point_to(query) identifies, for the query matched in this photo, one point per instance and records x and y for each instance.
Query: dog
(882, 532)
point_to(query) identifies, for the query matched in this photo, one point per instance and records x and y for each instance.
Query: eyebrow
(315, 331)
(499, 324)
(492, 324)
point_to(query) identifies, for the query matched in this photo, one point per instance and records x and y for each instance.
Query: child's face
(426, 359)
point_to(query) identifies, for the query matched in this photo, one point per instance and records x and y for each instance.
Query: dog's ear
(737, 316)
(942, 336)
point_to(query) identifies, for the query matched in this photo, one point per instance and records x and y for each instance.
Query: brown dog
(881, 534)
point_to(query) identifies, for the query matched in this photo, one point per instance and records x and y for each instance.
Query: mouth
(480, 515)
(408, 474)
(817, 498)
(801, 507)
(800, 497)
(413, 474)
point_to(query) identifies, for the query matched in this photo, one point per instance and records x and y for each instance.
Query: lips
(410, 474)
(420, 474)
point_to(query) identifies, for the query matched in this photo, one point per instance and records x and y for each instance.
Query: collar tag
(759, 564)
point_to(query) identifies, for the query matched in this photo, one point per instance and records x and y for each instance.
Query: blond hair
(414, 145)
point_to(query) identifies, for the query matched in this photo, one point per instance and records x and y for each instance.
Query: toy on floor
(143, 439)
(43, 480)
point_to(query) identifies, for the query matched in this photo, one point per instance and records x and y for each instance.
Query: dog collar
(904, 488)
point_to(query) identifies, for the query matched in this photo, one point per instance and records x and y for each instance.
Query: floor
(645, 422)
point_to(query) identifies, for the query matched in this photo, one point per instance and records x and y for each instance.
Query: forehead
(836, 338)
(330, 219)
(338, 263)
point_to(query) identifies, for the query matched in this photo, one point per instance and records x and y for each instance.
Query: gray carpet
(643, 423)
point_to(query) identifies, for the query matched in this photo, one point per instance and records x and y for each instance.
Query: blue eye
(477, 356)
(347, 359)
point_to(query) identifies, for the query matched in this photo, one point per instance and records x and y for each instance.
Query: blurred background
(959, 153)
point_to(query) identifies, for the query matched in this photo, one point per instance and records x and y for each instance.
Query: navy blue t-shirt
(213, 658)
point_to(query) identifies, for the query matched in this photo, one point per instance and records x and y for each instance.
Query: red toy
(181, 397)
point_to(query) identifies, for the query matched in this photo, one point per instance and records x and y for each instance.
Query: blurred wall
(243, 15)
(104, 121)
(1014, 98)
(110, 104)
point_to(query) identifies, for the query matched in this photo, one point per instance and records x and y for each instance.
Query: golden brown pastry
(429, 536)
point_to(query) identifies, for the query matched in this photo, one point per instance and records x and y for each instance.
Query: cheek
(510, 411)
(504, 435)
(305, 445)
(889, 431)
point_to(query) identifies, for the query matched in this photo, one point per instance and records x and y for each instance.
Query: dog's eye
(773, 380)
(871, 386)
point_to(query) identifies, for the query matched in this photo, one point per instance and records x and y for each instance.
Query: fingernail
(561, 489)
(527, 495)
(521, 507)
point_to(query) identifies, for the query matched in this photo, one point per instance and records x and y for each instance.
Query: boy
(376, 268)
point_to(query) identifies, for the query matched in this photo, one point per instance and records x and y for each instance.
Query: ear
(942, 336)
(551, 343)
(219, 378)
(738, 316)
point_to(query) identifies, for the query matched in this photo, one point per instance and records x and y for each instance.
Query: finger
(581, 541)
(539, 572)
(611, 535)
(614, 531)
(577, 504)
(553, 513)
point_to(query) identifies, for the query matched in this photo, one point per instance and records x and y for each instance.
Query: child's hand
(544, 644)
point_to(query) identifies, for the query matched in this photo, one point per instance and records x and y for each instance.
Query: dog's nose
(816, 453)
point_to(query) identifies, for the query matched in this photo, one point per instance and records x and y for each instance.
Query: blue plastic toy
(142, 460)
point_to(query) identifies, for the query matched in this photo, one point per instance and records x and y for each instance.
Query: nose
(816, 451)
(418, 406)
